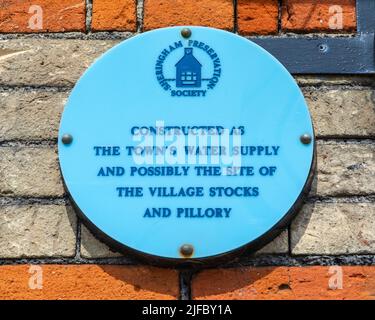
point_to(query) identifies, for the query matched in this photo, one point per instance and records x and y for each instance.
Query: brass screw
(186, 250)
(186, 33)
(306, 138)
(67, 138)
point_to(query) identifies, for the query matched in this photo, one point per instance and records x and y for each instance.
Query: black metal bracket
(329, 54)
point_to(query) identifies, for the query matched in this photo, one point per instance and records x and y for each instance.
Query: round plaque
(186, 143)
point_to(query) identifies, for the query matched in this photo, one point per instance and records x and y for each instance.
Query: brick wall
(40, 234)
(258, 17)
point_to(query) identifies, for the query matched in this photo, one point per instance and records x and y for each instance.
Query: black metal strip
(366, 16)
(323, 55)
(329, 54)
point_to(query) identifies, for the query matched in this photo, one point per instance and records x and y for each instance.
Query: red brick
(58, 15)
(119, 15)
(72, 282)
(211, 13)
(257, 16)
(314, 16)
(284, 283)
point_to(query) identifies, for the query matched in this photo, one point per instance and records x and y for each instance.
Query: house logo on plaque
(188, 69)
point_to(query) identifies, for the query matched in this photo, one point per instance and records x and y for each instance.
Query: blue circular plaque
(186, 145)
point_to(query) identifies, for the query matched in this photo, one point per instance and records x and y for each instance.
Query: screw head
(186, 250)
(306, 138)
(67, 138)
(323, 47)
(186, 33)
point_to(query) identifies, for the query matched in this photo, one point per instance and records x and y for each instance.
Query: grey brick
(30, 115)
(277, 246)
(91, 247)
(334, 228)
(37, 231)
(345, 169)
(29, 172)
(334, 80)
(342, 112)
(42, 62)
(36, 115)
